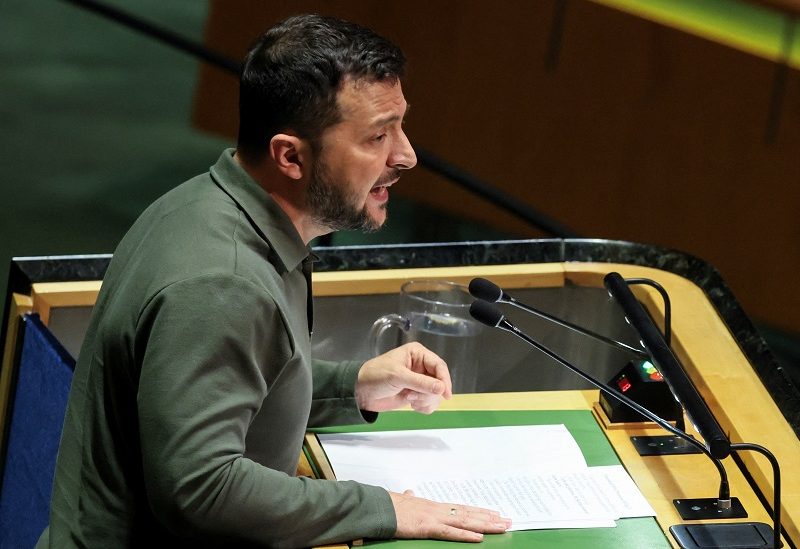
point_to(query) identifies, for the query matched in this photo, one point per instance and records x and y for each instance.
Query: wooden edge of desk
(46, 295)
(19, 305)
(319, 461)
(314, 461)
(388, 281)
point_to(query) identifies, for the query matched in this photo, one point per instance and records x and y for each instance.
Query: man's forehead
(372, 101)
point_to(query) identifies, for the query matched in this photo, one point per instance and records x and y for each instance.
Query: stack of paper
(535, 475)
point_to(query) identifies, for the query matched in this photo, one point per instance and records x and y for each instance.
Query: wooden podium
(705, 346)
(731, 366)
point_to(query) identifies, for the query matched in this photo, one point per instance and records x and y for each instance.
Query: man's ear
(290, 154)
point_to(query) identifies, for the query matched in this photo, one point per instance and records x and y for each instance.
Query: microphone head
(486, 290)
(486, 313)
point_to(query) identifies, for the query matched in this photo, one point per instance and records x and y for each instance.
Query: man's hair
(291, 77)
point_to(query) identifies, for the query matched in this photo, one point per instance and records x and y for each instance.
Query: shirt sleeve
(334, 400)
(200, 385)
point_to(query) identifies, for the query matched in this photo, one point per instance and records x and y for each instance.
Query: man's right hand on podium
(419, 518)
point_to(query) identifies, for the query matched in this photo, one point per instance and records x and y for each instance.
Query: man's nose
(403, 156)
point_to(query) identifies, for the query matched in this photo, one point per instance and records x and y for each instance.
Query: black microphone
(487, 290)
(485, 313)
(488, 314)
(666, 362)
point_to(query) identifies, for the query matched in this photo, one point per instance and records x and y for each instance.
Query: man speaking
(195, 382)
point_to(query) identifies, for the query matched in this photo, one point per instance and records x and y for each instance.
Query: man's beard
(333, 207)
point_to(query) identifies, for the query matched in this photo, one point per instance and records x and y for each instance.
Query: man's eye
(380, 137)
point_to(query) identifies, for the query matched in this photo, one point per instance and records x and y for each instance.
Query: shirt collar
(270, 221)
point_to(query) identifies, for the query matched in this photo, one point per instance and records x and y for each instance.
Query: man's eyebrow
(391, 118)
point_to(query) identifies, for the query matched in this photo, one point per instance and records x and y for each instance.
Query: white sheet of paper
(451, 451)
(535, 475)
(620, 493)
(590, 495)
(555, 524)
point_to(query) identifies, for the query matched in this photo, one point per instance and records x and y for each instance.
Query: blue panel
(37, 415)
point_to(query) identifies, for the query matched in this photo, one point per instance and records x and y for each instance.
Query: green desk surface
(635, 533)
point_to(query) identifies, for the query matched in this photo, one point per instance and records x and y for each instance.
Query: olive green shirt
(195, 385)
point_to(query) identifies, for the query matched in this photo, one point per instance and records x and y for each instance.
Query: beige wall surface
(639, 132)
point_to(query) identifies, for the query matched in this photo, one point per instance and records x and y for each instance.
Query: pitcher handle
(379, 328)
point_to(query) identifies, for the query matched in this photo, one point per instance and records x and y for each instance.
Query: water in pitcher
(452, 338)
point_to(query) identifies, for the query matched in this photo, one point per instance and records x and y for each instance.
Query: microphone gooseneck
(486, 290)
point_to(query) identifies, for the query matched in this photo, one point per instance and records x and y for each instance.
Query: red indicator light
(623, 384)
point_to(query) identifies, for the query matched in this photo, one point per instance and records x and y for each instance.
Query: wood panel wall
(638, 132)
